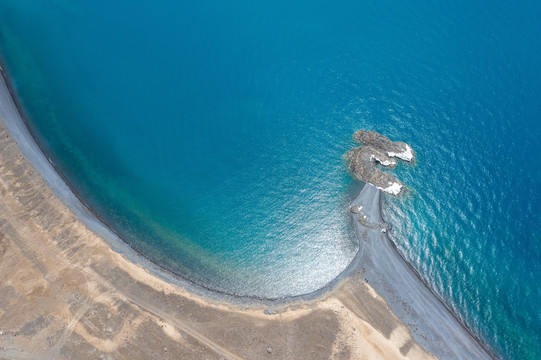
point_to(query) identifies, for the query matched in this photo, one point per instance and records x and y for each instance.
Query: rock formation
(378, 148)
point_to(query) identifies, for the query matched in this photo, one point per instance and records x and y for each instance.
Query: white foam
(393, 188)
(406, 155)
(382, 162)
(385, 162)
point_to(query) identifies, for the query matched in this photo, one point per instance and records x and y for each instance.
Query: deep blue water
(211, 137)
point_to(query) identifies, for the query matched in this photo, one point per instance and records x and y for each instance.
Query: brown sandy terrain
(65, 294)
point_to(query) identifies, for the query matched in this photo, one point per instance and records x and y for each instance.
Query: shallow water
(211, 137)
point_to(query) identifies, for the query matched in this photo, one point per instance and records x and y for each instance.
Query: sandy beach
(71, 289)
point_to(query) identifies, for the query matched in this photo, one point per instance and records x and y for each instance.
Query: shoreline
(462, 324)
(20, 131)
(412, 299)
(66, 293)
(393, 293)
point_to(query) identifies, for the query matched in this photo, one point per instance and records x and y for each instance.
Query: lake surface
(211, 137)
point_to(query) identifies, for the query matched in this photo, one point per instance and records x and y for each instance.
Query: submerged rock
(378, 149)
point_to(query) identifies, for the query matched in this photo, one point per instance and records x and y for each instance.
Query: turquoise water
(211, 137)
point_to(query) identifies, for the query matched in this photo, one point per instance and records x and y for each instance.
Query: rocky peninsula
(376, 149)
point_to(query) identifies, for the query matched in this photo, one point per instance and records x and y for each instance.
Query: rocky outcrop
(397, 149)
(378, 149)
